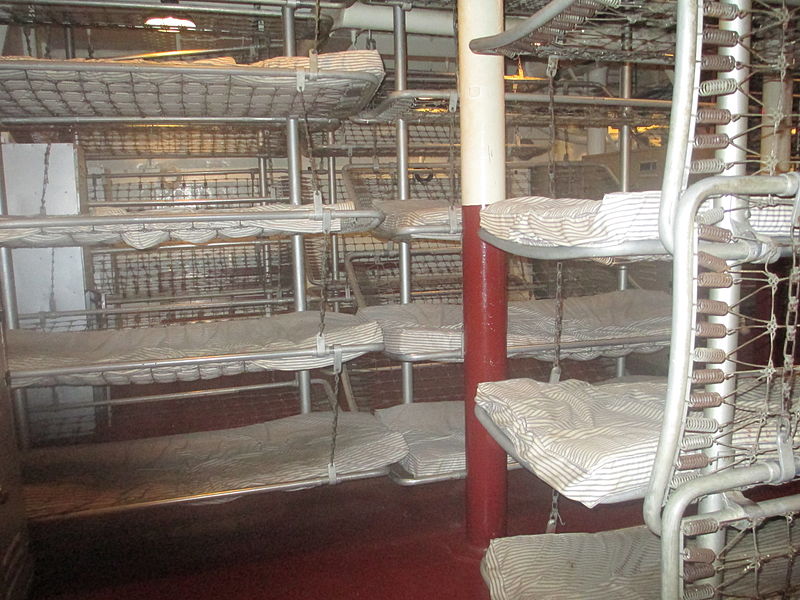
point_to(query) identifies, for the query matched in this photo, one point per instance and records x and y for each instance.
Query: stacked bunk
(164, 107)
(725, 419)
(430, 330)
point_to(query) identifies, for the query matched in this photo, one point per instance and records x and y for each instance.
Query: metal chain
(323, 301)
(335, 421)
(45, 181)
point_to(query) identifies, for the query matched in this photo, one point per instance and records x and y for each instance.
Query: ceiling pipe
(419, 21)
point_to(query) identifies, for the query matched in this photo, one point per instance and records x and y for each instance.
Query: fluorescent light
(170, 23)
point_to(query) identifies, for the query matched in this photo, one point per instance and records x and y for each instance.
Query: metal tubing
(484, 267)
(69, 42)
(682, 340)
(721, 453)
(400, 84)
(596, 136)
(626, 91)
(520, 30)
(671, 536)
(689, 31)
(176, 396)
(188, 8)
(622, 285)
(333, 195)
(15, 222)
(181, 362)
(776, 138)
(11, 318)
(295, 197)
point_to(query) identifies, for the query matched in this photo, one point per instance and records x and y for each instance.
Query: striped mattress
(101, 349)
(618, 218)
(292, 452)
(624, 564)
(596, 443)
(414, 331)
(257, 222)
(434, 432)
(433, 219)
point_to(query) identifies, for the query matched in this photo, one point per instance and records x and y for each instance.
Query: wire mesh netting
(254, 270)
(65, 90)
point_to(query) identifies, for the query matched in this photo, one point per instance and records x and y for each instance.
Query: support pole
(485, 296)
(596, 136)
(626, 91)
(776, 132)
(736, 156)
(11, 316)
(296, 199)
(333, 197)
(400, 84)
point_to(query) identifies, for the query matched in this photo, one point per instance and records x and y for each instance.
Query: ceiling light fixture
(172, 24)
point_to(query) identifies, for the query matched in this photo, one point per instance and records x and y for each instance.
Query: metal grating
(199, 274)
(231, 189)
(605, 31)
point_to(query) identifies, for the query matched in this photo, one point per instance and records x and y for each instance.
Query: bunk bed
(609, 325)
(99, 104)
(720, 423)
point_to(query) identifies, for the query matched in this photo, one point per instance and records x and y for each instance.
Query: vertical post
(11, 315)
(69, 42)
(596, 136)
(737, 103)
(333, 198)
(400, 84)
(263, 190)
(296, 198)
(626, 91)
(482, 122)
(776, 133)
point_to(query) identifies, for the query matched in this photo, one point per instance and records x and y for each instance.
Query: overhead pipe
(419, 21)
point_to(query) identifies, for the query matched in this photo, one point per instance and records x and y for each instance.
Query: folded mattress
(618, 218)
(415, 218)
(434, 432)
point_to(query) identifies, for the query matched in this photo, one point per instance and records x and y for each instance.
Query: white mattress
(33, 350)
(189, 229)
(619, 217)
(624, 564)
(416, 330)
(434, 432)
(596, 443)
(294, 450)
(438, 217)
(340, 84)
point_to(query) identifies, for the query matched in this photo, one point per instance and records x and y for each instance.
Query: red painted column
(485, 324)
(483, 178)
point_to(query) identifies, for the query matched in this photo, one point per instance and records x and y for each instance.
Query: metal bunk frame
(716, 487)
(299, 110)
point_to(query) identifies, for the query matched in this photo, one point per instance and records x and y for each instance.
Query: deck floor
(361, 539)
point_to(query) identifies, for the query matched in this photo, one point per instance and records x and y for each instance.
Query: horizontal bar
(17, 222)
(178, 362)
(211, 496)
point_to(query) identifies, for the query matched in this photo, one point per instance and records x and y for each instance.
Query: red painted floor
(363, 539)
